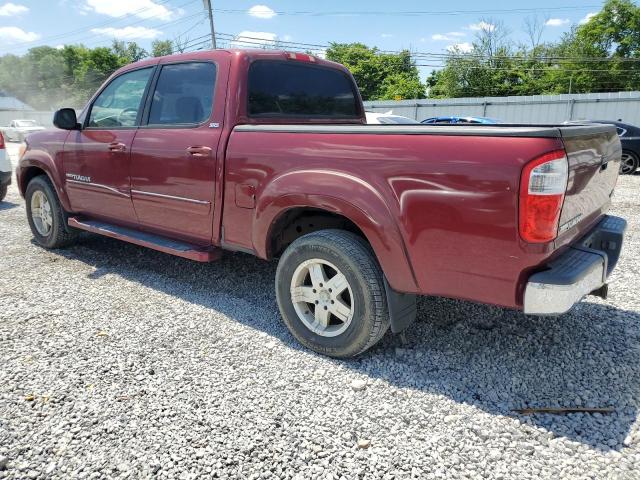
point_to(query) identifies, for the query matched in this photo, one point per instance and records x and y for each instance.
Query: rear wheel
(629, 163)
(3, 192)
(46, 216)
(331, 295)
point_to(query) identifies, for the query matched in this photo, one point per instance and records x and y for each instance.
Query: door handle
(199, 151)
(117, 147)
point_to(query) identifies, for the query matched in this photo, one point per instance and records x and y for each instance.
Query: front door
(97, 158)
(173, 162)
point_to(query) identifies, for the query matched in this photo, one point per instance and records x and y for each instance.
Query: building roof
(11, 103)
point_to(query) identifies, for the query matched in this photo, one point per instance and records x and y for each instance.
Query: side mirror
(65, 118)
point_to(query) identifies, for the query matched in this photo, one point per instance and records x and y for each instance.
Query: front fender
(342, 194)
(41, 159)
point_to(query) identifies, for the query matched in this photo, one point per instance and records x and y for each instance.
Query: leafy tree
(128, 52)
(372, 69)
(160, 48)
(401, 86)
(600, 55)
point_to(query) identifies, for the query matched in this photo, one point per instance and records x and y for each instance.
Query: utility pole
(207, 6)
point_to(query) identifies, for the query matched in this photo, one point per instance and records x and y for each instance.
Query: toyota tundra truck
(268, 153)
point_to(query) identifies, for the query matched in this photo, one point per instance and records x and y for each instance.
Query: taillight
(542, 188)
(1, 140)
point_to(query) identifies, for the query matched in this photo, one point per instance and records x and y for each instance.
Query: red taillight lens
(1, 140)
(542, 188)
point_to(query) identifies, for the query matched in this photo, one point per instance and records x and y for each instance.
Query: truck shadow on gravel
(490, 358)
(4, 205)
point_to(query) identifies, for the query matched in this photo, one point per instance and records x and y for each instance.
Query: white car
(5, 169)
(18, 129)
(388, 119)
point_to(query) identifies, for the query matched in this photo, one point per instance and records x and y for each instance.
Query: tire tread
(358, 251)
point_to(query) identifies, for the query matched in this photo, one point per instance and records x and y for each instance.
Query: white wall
(43, 118)
(530, 109)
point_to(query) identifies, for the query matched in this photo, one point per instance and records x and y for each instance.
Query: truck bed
(453, 200)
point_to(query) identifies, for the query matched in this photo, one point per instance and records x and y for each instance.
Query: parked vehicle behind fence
(267, 152)
(375, 118)
(5, 169)
(463, 120)
(630, 140)
(19, 129)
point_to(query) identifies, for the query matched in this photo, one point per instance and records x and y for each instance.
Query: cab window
(183, 94)
(120, 103)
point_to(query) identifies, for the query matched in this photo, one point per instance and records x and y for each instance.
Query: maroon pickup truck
(268, 153)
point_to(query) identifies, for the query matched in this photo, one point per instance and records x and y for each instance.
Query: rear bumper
(581, 270)
(5, 178)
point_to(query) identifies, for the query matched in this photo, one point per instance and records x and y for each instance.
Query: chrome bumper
(583, 269)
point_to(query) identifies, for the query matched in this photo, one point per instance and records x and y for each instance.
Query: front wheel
(46, 216)
(331, 294)
(629, 163)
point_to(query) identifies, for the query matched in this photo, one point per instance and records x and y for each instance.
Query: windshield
(26, 123)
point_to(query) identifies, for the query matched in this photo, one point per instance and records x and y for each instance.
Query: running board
(149, 240)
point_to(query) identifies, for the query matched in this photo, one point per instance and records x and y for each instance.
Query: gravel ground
(116, 361)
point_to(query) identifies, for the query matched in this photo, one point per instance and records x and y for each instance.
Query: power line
(99, 24)
(82, 40)
(417, 54)
(420, 12)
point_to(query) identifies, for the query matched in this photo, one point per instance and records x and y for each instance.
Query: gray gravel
(116, 361)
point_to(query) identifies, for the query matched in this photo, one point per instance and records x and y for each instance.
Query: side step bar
(149, 240)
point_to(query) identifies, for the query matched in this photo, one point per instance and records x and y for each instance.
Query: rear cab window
(289, 89)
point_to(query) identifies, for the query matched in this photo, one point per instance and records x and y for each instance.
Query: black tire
(3, 191)
(630, 167)
(60, 235)
(354, 258)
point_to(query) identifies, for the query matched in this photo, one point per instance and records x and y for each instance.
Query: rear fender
(342, 194)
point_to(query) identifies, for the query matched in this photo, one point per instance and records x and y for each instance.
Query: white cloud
(127, 33)
(138, 8)
(261, 11)
(15, 34)
(60, 47)
(11, 9)
(248, 39)
(447, 37)
(387, 35)
(557, 22)
(464, 47)
(587, 17)
(484, 26)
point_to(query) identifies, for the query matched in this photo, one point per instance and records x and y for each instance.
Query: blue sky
(423, 26)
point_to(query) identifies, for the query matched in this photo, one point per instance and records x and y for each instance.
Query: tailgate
(594, 154)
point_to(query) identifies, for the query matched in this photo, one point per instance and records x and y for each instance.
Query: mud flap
(402, 308)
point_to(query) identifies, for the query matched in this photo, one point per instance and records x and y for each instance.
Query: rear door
(174, 158)
(96, 158)
(594, 162)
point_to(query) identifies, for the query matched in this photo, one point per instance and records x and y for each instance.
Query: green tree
(600, 55)
(160, 48)
(128, 52)
(401, 86)
(372, 70)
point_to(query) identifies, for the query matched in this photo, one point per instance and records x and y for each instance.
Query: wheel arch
(35, 165)
(364, 213)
